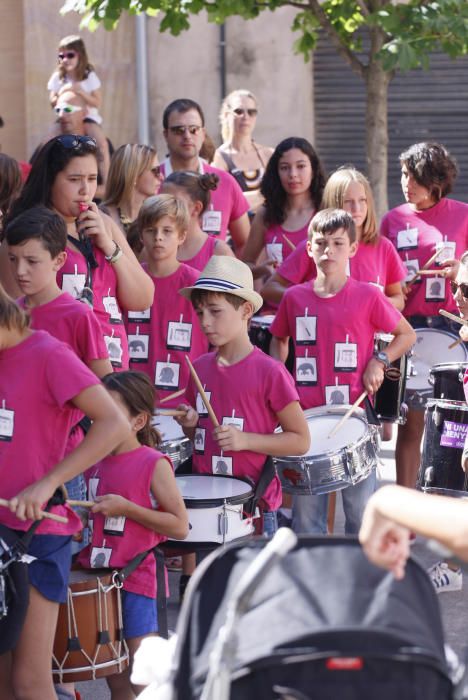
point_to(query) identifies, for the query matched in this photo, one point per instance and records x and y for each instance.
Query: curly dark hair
(432, 167)
(272, 189)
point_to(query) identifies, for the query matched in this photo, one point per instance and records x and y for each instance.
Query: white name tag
(7, 424)
(211, 222)
(407, 238)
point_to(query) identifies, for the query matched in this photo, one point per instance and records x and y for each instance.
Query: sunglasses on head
(66, 54)
(180, 130)
(240, 111)
(462, 287)
(66, 108)
(75, 142)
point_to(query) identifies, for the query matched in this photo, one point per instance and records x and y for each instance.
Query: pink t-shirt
(249, 395)
(204, 254)
(160, 337)
(333, 338)
(72, 278)
(227, 201)
(377, 263)
(73, 323)
(115, 541)
(38, 379)
(277, 247)
(416, 236)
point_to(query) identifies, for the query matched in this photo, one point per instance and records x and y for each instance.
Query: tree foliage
(411, 29)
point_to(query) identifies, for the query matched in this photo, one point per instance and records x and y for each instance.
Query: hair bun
(208, 181)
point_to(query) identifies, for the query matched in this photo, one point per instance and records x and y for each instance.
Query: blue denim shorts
(50, 571)
(140, 615)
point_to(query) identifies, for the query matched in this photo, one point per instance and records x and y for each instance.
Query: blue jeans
(270, 523)
(309, 513)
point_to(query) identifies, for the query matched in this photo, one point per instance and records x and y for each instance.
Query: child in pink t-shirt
(138, 506)
(160, 337)
(194, 189)
(42, 386)
(292, 187)
(332, 321)
(251, 394)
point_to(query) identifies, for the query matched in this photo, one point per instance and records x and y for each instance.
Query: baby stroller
(325, 624)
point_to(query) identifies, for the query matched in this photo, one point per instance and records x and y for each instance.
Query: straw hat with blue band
(225, 274)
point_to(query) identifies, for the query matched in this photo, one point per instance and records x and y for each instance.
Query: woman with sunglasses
(134, 175)
(239, 154)
(101, 268)
(75, 72)
(427, 223)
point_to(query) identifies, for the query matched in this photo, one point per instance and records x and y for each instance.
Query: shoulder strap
(266, 477)
(228, 160)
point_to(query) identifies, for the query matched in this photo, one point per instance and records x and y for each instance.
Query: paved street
(453, 605)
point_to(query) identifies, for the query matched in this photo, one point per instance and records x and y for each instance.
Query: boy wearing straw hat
(250, 392)
(332, 320)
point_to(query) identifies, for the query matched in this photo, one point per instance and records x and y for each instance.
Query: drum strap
(161, 601)
(371, 415)
(266, 477)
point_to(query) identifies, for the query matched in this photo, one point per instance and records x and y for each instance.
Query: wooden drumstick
(44, 513)
(455, 344)
(174, 413)
(83, 504)
(347, 415)
(201, 391)
(175, 395)
(289, 242)
(430, 272)
(426, 265)
(452, 317)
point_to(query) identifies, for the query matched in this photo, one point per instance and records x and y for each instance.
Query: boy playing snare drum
(332, 320)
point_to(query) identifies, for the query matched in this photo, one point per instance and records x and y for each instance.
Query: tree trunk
(377, 82)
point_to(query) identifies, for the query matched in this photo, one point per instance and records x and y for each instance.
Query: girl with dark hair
(138, 506)
(195, 190)
(10, 185)
(76, 73)
(427, 223)
(43, 385)
(100, 267)
(292, 188)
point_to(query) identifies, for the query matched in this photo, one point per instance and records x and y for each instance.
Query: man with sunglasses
(184, 131)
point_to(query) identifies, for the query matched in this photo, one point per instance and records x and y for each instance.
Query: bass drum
(446, 427)
(447, 380)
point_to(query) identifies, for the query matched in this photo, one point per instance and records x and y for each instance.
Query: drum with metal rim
(174, 444)
(447, 380)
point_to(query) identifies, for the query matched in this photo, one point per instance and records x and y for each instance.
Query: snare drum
(89, 639)
(446, 427)
(331, 464)
(447, 380)
(389, 404)
(215, 506)
(174, 444)
(431, 347)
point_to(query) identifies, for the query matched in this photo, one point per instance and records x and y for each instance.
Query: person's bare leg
(32, 659)
(94, 130)
(6, 690)
(408, 448)
(119, 684)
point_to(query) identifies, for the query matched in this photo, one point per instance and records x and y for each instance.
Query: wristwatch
(382, 357)
(116, 255)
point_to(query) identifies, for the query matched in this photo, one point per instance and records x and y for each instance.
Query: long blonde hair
(334, 195)
(226, 106)
(12, 317)
(127, 164)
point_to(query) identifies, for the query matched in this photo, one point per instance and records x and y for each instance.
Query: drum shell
(447, 380)
(390, 396)
(441, 457)
(86, 590)
(260, 336)
(215, 520)
(430, 349)
(174, 443)
(333, 470)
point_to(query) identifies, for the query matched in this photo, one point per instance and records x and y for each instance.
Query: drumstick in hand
(83, 504)
(172, 412)
(452, 317)
(455, 343)
(201, 391)
(175, 395)
(347, 415)
(426, 265)
(289, 242)
(431, 272)
(44, 513)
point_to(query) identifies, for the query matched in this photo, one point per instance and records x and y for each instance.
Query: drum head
(205, 490)
(432, 346)
(262, 321)
(170, 430)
